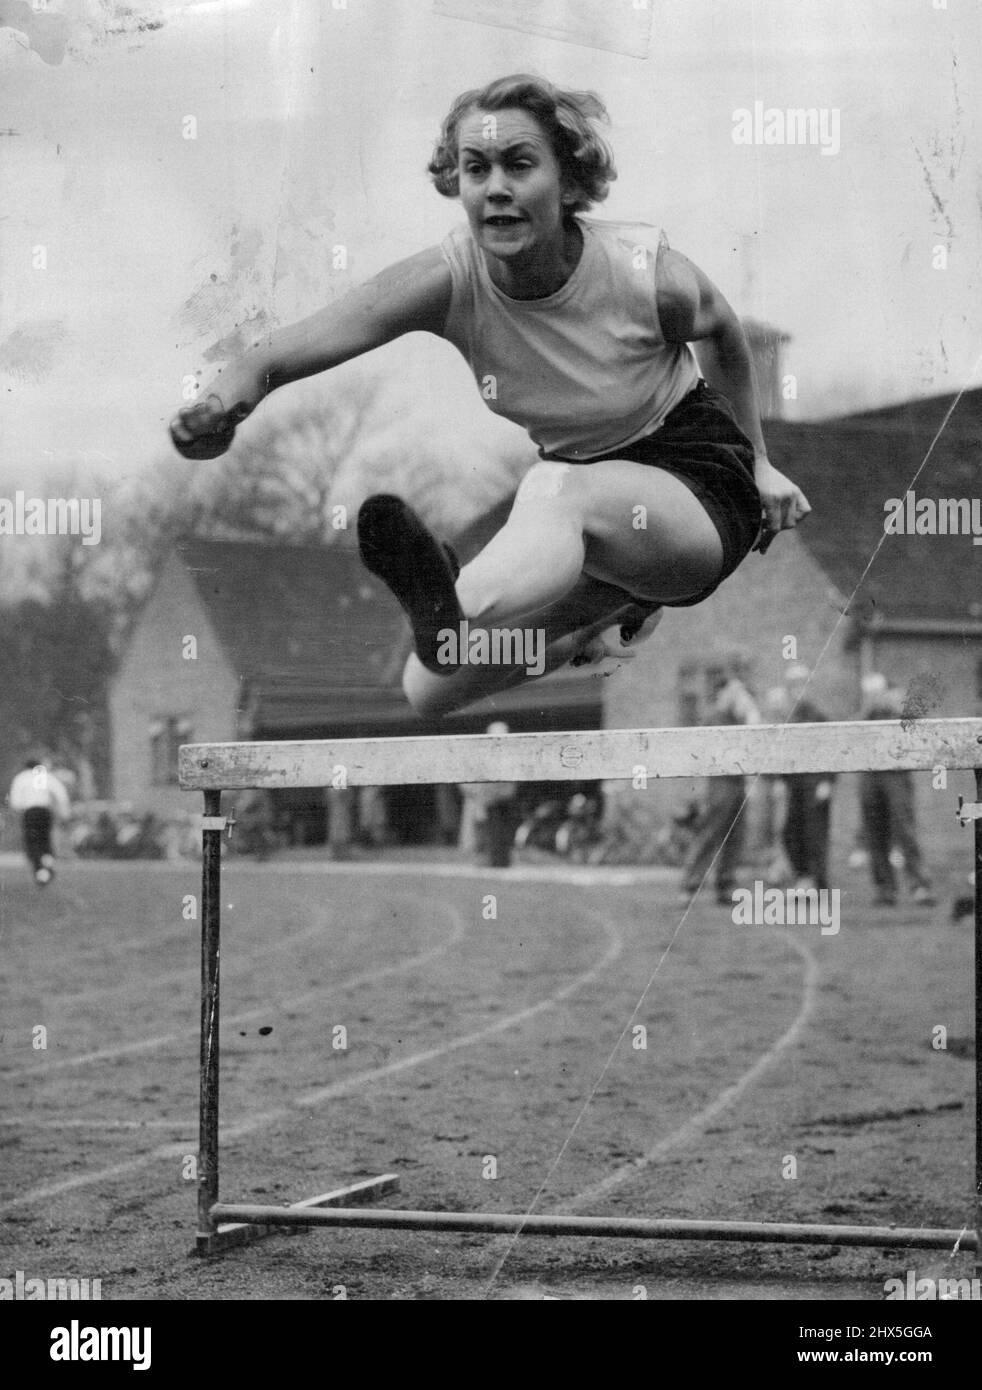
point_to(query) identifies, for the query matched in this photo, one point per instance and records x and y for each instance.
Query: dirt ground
(491, 1059)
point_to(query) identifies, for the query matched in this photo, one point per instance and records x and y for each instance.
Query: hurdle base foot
(623, 1227)
(232, 1234)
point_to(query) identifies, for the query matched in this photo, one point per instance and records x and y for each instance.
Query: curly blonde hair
(569, 119)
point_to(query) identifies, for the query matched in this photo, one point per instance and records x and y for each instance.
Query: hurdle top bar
(599, 754)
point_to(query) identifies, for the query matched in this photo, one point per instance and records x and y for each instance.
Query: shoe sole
(637, 626)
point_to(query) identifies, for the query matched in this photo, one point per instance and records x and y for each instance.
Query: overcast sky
(314, 120)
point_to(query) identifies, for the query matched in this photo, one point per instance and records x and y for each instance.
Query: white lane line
(310, 1099)
(42, 1070)
(162, 1153)
(245, 957)
(32, 1122)
(559, 872)
(698, 1122)
(190, 972)
(615, 944)
(590, 875)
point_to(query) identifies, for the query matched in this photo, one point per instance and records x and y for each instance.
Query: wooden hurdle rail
(609, 755)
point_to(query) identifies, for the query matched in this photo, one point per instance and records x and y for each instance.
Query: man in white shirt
(488, 814)
(39, 797)
(887, 801)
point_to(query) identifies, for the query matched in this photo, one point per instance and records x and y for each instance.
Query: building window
(166, 736)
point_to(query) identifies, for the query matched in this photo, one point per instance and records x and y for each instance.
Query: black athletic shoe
(641, 622)
(396, 545)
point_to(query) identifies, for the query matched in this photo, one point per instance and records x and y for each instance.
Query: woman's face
(511, 184)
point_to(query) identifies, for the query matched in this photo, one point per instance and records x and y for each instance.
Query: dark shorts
(36, 825)
(701, 443)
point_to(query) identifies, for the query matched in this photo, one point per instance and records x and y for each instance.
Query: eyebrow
(508, 149)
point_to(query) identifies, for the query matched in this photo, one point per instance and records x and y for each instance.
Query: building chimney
(767, 352)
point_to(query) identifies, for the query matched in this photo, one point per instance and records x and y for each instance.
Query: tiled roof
(317, 640)
(849, 467)
(299, 613)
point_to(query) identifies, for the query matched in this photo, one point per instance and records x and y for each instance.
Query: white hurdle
(610, 755)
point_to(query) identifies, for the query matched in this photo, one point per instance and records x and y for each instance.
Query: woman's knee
(425, 691)
(479, 589)
(546, 482)
(434, 696)
(534, 559)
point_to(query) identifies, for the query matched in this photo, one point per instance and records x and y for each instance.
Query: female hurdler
(653, 482)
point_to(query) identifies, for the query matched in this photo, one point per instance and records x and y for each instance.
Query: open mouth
(503, 219)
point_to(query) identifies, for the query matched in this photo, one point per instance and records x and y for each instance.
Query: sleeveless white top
(585, 370)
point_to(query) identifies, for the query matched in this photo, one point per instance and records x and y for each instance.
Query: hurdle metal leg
(213, 1233)
(483, 758)
(977, 826)
(211, 908)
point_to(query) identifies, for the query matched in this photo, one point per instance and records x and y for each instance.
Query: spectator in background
(777, 707)
(39, 798)
(808, 800)
(720, 832)
(255, 824)
(341, 803)
(488, 817)
(373, 817)
(887, 800)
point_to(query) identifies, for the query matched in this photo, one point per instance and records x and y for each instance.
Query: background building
(837, 594)
(246, 640)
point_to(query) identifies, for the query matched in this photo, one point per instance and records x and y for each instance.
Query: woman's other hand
(205, 429)
(782, 501)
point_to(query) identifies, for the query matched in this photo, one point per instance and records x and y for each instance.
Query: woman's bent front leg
(554, 632)
(647, 532)
(535, 559)
(631, 525)
(581, 541)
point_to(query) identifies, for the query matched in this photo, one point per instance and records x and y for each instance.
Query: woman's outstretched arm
(692, 310)
(411, 295)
